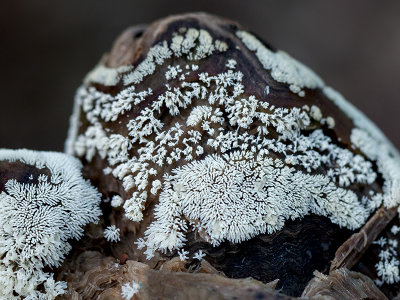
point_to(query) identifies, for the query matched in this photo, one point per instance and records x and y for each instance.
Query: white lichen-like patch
(105, 76)
(218, 148)
(129, 289)
(183, 254)
(199, 255)
(316, 113)
(387, 268)
(371, 141)
(38, 219)
(284, 68)
(367, 137)
(206, 191)
(395, 229)
(116, 201)
(24, 282)
(111, 233)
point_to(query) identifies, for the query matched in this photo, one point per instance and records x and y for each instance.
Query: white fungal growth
(388, 266)
(24, 282)
(395, 229)
(196, 44)
(284, 68)
(129, 289)
(105, 76)
(140, 243)
(172, 72)
(199, 255)
(388, 270)
(116, 201)
(183, 254)
(263, 191)
(37, 219)
(330, 122)
(198, 114)
(111, 233)
(217, 148)
(74, 123)
(134, 206)
(369, 139)
(156, 186)
(231, 64)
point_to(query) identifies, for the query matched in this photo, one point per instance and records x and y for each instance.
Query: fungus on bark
(129, 289)
(44, 203)
(212, 141)
(111, 233)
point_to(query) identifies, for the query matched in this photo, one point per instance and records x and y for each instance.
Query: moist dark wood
(20, 172)
(290, 255)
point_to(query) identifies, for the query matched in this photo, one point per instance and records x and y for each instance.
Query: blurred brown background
(47, 47)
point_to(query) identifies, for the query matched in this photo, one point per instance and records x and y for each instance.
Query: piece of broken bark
(342, 284)
(380, 260)
(99, 277)
(351, 251)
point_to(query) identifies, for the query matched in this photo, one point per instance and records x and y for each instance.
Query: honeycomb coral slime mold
(38, 215)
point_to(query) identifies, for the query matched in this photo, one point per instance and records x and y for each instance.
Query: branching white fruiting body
(111, 233)
(387, 268)
(37, 219)
(129, 289)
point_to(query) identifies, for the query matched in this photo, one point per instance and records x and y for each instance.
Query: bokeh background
(47, 47)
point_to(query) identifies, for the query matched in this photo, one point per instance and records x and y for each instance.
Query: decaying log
(277, 217)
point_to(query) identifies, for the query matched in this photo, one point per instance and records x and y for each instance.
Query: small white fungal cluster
(105, 76)
(388, 266)
(194, 44)
(237, 165)
(283, 68)
(129, 289)
(116, 201)
(199, 255)
(183, 254)
(205, 192)
(111, 233)
(37, 219)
